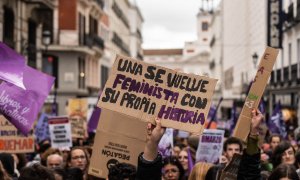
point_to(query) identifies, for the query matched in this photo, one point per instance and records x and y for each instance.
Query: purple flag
(41, 130)
(276, 124)
(214, 113)
(11, 66)
(262, 106)
(20, 106)
(190, 160)
(233, 118)
(93, 122)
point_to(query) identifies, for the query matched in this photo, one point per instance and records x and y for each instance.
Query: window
(81, 28)
(204, 26)
(298, 56)
(50, 66)
(81, 71)
(104, 75)
(32, 43)
(8, 27)
(290, 60)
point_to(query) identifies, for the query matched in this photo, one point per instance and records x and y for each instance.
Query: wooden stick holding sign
(257, 89)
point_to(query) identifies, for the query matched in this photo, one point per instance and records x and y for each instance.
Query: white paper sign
(210, 146)
(165, 145)
(60, 132)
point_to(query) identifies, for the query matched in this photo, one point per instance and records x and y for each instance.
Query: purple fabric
(20, 106)
(276, 124)
(93, 122)
(213, 113)
(190, 159)
(233, 119)
(11, 66)
(262, 106)
(42, 128)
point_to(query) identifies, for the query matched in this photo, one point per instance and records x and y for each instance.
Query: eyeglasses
(78, 157)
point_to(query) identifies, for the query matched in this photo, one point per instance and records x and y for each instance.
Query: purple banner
(93, 122)
(11, 66)
(20, 106)
(41, 130)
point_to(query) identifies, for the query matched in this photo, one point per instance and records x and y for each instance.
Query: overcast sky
(168, 23)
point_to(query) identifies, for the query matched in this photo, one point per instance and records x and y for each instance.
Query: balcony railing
(94, 40)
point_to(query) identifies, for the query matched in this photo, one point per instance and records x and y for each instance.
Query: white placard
(60, 132)
(210, 146)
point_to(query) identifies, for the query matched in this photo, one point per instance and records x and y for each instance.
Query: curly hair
(284, 171)
(122, 171)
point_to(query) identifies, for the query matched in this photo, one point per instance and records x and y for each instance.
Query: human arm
(150, 161)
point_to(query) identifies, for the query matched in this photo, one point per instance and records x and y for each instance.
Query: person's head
(122, 171)
(74, 173)
(3, 174)
(231, 146)
(183, 158)
(54, 160)
(284, 172)
(78, 157)
(59, 173)
(275, 139)
(36, 172)
(172, 169)
(283, 153)
(176, 150)
(7, 161)
(20, 160)
(199, 171)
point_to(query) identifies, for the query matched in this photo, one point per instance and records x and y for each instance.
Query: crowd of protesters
(275, 159)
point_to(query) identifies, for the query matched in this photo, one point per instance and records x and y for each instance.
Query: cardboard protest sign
(146, 91)
(259, 83)
(12, 140)
(41, 130)
(60, 132)
(231, 170)
(116, 141)
(210, 146)
(77, 112)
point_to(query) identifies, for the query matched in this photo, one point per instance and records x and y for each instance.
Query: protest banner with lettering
(119, 138)
(257, 89)
(231, 170)
(77, 112)
(12, 140)
(210, 146)
(146, 91)
(41, 130)
(60, 132)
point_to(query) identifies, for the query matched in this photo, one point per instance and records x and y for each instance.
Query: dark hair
(274, 135)
(22, 160)
(284, 170)
(278, 152)
(122, 171)
(232, 140)
(174, 161)
(60, 171)
(36, 172)
(297, 157)
(74, 173)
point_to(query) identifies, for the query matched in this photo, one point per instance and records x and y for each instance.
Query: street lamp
(46, 38)
(254, 59)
